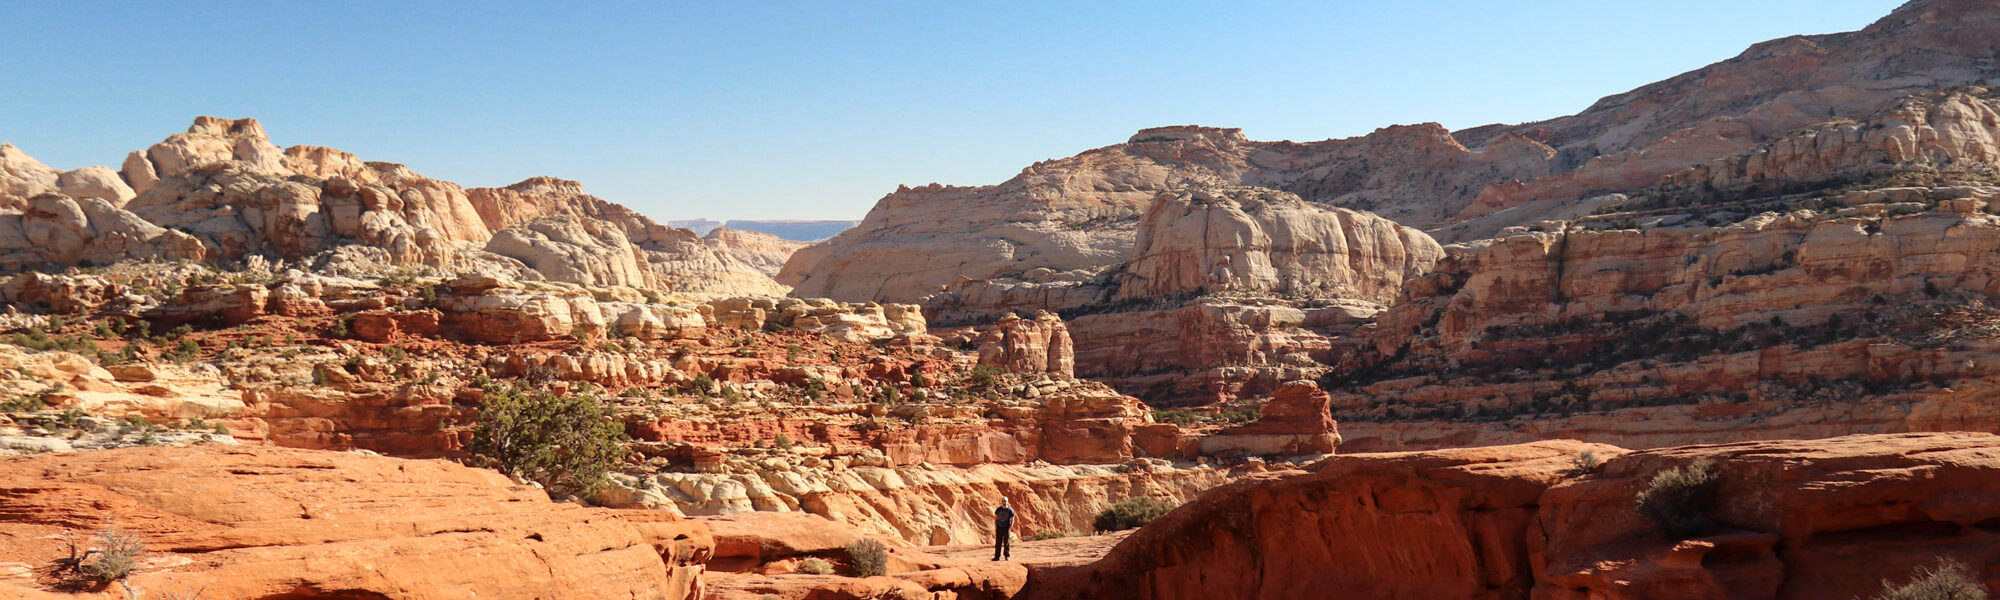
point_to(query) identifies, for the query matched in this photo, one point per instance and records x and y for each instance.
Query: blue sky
(816, 109)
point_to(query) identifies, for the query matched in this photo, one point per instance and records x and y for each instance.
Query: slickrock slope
(1826, 518)
(1061, 219)
(762, 251)
(279, 523)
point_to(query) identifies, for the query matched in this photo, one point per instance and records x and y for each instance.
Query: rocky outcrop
(841, 321)
(1295, 422)
(1443, 524)
(224, 183)
(1041, 345)
(1826, 518)
(1954, 133)
(573, 250)
(679, 261)
(23, 178)
(761, 251)
(1852, 318)
(1253, 240)
(54, 230)
(1066, 221)
(222, 193)
(279, 523)
(1218, 349)
(1229, 292)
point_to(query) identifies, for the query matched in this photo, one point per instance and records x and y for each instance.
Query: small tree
(567, 443)
(1949, 581)
(1678, 500)
(870, 558)
(1131, 514)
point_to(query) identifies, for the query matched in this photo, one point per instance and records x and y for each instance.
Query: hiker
(1003, 523)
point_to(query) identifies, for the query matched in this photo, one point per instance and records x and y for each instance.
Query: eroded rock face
(55, 230)
(573, 250)
(1264, 241)
(1066, 221)
(761, 251)
(1040, 345)
(677, 260)
(1443, 524)
(23, 178)
(1806, 323)
(1951, 132)
(339, 524)
(1295, 422)
(1828, 518)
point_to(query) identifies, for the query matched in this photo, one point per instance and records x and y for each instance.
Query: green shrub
(1050, 535)
(1949, 581)
(870, 558)
(815, 566)
(984, 375)
(1678, 500)
(1131, 514)
(1178, 416)
(567, 443)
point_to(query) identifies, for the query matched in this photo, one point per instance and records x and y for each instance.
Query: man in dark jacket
(1003, 524)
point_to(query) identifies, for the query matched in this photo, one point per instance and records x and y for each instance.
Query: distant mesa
(798, 231)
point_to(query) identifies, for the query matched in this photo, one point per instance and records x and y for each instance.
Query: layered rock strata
(1864, 314)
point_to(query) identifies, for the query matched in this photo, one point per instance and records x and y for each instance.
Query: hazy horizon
(813, 112)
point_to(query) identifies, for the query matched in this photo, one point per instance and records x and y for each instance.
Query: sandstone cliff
(1866, 314)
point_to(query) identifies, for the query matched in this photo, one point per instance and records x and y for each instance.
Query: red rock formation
(279, 523)
(1294, 422)
(1826, 518)
(1443, 524)
(1030, 346)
